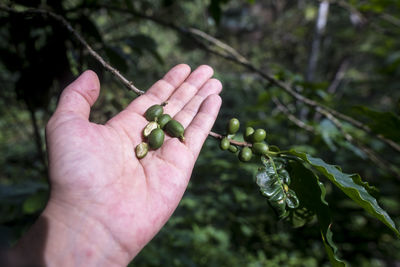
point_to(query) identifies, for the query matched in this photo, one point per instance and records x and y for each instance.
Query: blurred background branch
(347, 114)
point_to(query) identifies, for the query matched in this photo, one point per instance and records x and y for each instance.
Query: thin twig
(234, 142)
(374, 157)
(319, 108)
(237, 58)
(218, 43)
(338, 76)
(232, 56)
(391, 19)
(325, 111)
(371, 155)
(384, 16)
(68, 26)
(291, 117)
(333, 86)
(115, 72)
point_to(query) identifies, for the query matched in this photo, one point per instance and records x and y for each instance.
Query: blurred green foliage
(223, 220)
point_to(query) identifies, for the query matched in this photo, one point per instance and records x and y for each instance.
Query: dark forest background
(347, 58)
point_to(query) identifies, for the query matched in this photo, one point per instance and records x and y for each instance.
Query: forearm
(67, 237)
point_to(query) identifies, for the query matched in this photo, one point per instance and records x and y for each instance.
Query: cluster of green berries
(154, 130)
(254, 138)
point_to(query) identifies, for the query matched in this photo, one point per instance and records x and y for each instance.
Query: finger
(186, 115)
(130, 121)
(161, 90)
(197, 131)
(80, 95)
(188, 89)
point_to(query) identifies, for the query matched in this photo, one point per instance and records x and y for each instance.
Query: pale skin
(106, 205)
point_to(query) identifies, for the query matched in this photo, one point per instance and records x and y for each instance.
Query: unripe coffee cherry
(233, 126)
(163, 120)
(245, 154)
(233, 148)
(260, 148)
(224, 145)
(175, 129)
(259, 135)
(156, 138)
(153, 112)
(248, 134)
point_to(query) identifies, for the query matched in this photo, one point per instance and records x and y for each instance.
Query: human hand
(105, 204)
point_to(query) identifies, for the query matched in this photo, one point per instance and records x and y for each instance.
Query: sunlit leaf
(352, 186)
(311, 194)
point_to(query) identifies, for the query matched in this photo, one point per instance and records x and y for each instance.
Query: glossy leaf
(272, 180)
(35, 203)
(142, 42)
(292, 201)
(385, 123)
(116, 58)
(352, 186)
(311, 194)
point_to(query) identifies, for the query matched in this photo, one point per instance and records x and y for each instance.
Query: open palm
(94, 172)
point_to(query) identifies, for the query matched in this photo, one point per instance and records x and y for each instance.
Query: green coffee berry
(149, 128)
(233, 126)
(175, 129)
(259, 135)
(141, 150)
(248, 133)
(156, 138)
(224, 145)
(245, 154)
(153, 112)
(233, 148)
(260, 148)
(163, 120)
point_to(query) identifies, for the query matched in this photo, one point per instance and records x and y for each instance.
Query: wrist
(67, 236)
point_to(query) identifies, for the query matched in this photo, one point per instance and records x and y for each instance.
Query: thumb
(80, 95)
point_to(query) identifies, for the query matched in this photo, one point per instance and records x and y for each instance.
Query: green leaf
(273, 181)
(142, 42)
(19, 192)
(35, 202)
(385, 123)
(89, 28)
(311, 194)
(271, 188)
(168, 3)
(352, 186)
(129, 5)
(292, 201)
(329, 133)
(215, 10)
(116, 58)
